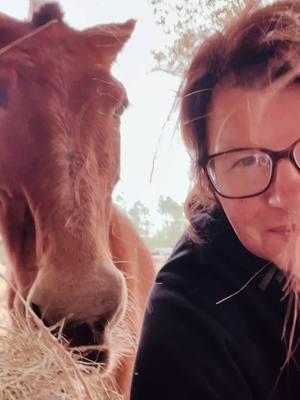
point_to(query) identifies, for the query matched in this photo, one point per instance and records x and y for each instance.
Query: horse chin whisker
(88, 348)
(122, 262)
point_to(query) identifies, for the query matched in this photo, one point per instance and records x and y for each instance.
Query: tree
(187, 22)
(170, 208)
(140, 216)
(121, 203)
(172, 215)
(173, 223)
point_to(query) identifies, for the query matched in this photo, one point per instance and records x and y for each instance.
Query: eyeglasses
(246, 172)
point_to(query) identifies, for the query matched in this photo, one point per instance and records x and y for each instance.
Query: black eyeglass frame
(274, 155)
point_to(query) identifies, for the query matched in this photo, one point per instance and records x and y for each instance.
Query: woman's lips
(283, 229)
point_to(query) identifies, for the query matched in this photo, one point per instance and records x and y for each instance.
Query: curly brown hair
(259, 46)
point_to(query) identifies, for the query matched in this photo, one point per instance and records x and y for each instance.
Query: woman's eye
(245, 162)
(248, 161)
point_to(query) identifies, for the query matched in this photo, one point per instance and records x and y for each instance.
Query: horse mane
(47, 13)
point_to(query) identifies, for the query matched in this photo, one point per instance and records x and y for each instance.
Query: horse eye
(3, 95)
(119, 110)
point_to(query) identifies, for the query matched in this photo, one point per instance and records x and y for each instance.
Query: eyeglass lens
(243, 172)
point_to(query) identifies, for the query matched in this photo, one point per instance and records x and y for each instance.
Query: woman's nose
(285, 189)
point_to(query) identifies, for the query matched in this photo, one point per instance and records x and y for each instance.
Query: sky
(144, 131)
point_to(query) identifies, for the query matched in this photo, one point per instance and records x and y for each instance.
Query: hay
(35, 365)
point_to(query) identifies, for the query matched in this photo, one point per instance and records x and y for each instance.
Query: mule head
(60, 112)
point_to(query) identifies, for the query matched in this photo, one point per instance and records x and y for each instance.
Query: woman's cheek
(243, 215)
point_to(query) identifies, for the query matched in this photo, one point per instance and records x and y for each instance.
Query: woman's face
(256, 118)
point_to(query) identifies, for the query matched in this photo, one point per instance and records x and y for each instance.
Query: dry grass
(34, 365)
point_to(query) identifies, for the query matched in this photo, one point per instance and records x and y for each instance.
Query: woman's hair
(253, 51)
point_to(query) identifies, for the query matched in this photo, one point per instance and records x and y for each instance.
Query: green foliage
(120, 202)
(139, 215)
(172, 217)
(187, 22)
(173, 223)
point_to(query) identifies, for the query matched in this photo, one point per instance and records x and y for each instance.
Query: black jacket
(192, 348)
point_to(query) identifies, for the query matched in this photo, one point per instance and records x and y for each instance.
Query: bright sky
(151, 95)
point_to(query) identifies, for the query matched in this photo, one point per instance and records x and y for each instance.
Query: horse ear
(46, 13)
(105, 41)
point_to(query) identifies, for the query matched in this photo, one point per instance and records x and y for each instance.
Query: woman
(222, 317)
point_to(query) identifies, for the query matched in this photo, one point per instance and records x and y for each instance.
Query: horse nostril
(82, 334)
(100, 324)
(78, 334)
(97, 356)
(36, 309)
